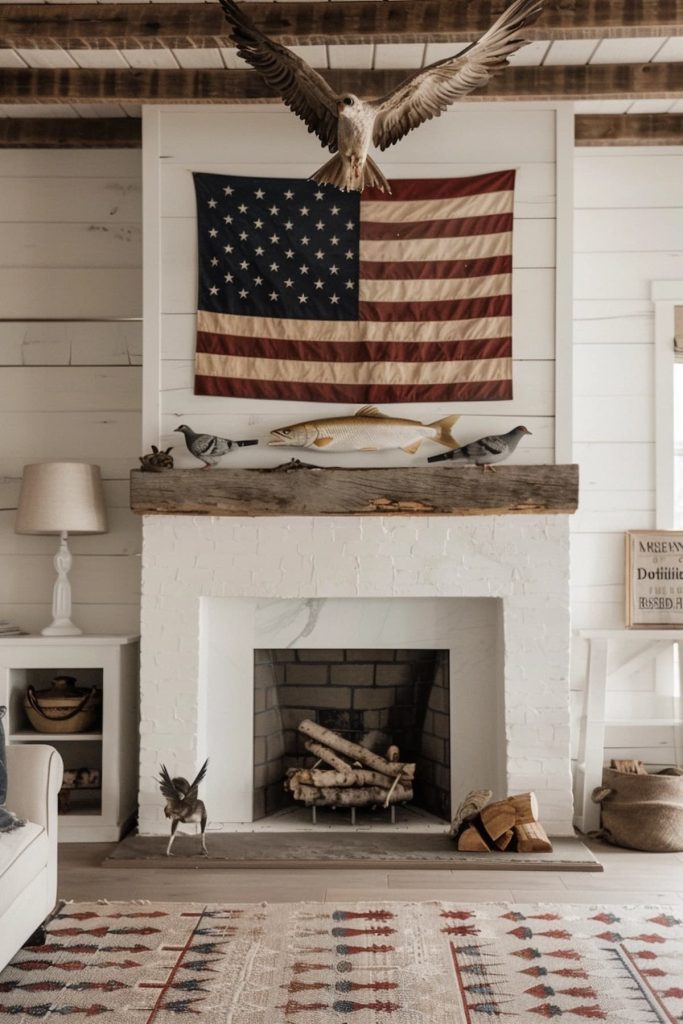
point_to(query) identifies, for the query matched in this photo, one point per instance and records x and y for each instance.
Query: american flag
(312, 294)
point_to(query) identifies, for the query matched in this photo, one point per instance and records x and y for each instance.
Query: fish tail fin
(444, 434)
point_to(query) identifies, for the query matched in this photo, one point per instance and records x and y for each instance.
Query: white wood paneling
(628, 221)
(70, 246)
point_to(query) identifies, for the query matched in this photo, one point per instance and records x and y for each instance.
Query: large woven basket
(65, 707)
(641, 812)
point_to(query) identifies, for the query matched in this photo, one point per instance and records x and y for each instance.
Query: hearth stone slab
(355, 850)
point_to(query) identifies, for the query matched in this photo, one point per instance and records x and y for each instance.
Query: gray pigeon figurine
(486, 450)
(347, 124)
(207, 447)
(183, 803)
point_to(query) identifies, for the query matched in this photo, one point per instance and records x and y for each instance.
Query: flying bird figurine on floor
(207, 447)
(487, 450)
(182, 803)
(347, 124)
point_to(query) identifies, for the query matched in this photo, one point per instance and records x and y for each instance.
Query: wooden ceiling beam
(126, 132)
(183, 25)
(580, 82)
(70, 133)
(629, 130)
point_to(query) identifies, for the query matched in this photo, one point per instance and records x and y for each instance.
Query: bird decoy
(487, 450)
(207, 447)
(182, 803)
(347, 124)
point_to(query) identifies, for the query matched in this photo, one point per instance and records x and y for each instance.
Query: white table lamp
(61, 498)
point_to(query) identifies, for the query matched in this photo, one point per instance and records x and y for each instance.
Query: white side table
(110, 663)
(592, 727)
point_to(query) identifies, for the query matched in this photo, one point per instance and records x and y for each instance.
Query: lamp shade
(59, 497)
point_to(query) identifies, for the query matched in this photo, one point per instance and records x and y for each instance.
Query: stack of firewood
(511, 824)
(354, 776)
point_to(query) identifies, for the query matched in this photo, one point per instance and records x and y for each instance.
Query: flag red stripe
(452, 227)
(442, 188)
(449, 309)
(297, 391)
(432, 270)
(353, 351)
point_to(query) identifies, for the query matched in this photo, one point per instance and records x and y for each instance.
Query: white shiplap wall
(628, 233)
(261, 140)
(70, 247)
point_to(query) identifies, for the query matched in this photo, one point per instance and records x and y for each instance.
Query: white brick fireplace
(216, 588)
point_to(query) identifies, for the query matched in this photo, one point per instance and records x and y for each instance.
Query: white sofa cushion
(23, 854)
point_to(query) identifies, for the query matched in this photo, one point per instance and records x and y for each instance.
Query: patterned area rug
(314, 963)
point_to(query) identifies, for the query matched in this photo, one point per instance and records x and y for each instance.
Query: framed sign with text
(654, 579)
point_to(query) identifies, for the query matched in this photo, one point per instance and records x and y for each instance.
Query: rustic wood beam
(365, 21)
(121, 132)
(419, 490)
(68, 85)
(629, 130)
(70, 133)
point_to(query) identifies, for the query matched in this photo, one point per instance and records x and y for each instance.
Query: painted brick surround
(204, 576)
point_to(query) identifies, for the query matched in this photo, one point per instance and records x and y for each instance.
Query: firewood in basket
(532, 838)
(350, 796)
(355, 751)
(393, 754)
(629, 766)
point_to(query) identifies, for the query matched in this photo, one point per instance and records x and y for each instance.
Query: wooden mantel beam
(417, 490)
(68, 85)
(365, 21)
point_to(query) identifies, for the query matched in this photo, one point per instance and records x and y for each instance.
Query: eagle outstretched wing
(430, 91)
(179, 789)
(304, 91)
(194, 786)
(167, 786)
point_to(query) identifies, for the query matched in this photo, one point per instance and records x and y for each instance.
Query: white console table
(592, 728)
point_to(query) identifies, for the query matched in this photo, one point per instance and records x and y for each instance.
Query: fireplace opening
(381, 699)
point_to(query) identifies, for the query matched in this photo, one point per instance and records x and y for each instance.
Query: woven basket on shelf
(65, 707)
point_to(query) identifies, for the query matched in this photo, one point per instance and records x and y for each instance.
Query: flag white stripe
(352, 330)
(471, 247)
(305, 371)
(438, 209)
(436, 290)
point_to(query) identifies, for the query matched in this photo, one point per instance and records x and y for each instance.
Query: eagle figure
(347, 124)
(183, 803)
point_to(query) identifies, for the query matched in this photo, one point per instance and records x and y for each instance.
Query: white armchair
(28, 856)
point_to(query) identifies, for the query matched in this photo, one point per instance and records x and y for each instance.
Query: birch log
(355, 751)
(353, 796)
(351, 777)
(324, 753)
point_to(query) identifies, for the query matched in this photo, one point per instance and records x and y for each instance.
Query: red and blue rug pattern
(314, 963)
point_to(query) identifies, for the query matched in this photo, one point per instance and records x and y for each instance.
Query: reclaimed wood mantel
(419, 490)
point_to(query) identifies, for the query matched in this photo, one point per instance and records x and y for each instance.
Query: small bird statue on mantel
(183, 804)
(208, 448)
(487, 450)
(347, 124)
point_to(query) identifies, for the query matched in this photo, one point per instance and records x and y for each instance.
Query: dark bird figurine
(486, 450)
(207, 447)
(183, 803)
(346, 124)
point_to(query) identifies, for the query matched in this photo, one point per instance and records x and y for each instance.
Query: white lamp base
(61, 627)
(61, 624)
